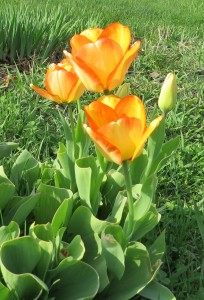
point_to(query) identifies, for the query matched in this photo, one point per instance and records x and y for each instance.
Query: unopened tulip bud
(168, 94)
(123, 90)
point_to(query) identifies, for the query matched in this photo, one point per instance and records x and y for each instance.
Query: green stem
(79, 105)
(72, 126)
(128, 183)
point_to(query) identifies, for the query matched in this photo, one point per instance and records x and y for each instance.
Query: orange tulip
(118, 126)
(61, 83)
(101, 57)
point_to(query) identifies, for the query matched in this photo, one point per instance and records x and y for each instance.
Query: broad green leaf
(20, 208)
(166, 151)
(99, 264)
(137, 275)
(18, 259)
(112, 250)
(25, 169)
(156, 291)
(76, 248)
(6, 149)
(83, 222)
(5, 293)
(157, 249)
(113, 184)
(137, 167)
(143, 204)
(146, 223)
(9, 232)
(7, 189)
(156, 140)
(43, 235)
(75, 280)
(50, 199)
(88, 179)
(62, 215)
(118, 207)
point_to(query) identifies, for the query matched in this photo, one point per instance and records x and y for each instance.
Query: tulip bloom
(101, 57)
(168, 94)
(118, 126)
(61, 83)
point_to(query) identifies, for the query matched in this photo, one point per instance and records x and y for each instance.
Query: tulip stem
(128, 183)
(72, 126)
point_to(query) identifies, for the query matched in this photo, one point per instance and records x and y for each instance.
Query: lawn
(172, 41)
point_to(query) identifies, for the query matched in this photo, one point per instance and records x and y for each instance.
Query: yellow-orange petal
(90, 80)
(117, 76)
(101, 57)
(132, 107)
(43, 93)
(77, 90)
(110, 152)
(92, 34)
(118, 33)
(99, 114)
(149, 130)
(60, 82)
(109, 100)
(78, 41)
(124, 134)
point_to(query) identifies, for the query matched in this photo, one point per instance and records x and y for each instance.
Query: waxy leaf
(6, 148)
(7, 189)
(155, 291)
(9, 232)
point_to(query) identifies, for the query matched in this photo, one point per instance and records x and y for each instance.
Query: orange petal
(43, 93)
(76, 92)
(102, 57)
(109, 100)
(118, 33)
(124, 134)
(90, 80)
(60, 82)
(117, 76)
(92, 34)
(99, 114)
(110, 152)
(78, 41)
(132, 107)
(152, 126)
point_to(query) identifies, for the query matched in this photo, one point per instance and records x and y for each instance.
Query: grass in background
(172, 40)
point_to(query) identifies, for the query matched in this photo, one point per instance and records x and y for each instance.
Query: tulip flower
(101, 57)
(61, 83)
(118, 126)
(168, 94)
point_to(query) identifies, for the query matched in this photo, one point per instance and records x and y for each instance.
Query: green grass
(172, 40)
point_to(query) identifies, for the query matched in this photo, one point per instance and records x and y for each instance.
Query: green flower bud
(168, 94)
(123, 90)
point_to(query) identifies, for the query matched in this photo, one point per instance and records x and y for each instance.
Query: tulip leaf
(43, 235)
(167, 149)
(20, 208)
(19, 258)
(76, 248)
(9, 232)
(50, 198)
(84, 223)
(146, 223)
(157, 249)
(62, 215)
(138, 273)
(5, 293)
(6, 149)
(7, 189)
(156, 140)
(137, 167)
(118, 207)
(88, 179)
(155, 291)
(111, 238)
(25, 169)
(74, 278)
(113, 184)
